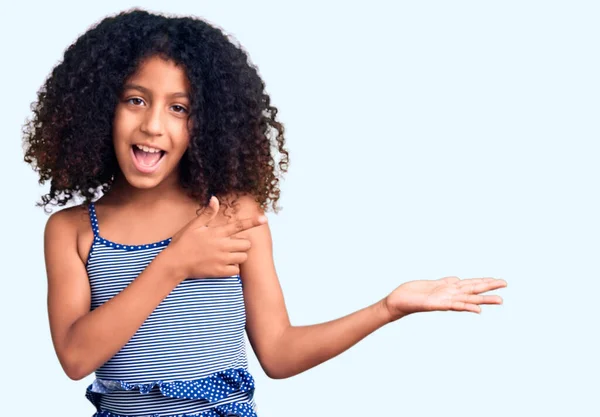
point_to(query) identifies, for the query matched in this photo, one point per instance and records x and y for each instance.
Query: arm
(84, 340)
(284, 350)
(303, 347)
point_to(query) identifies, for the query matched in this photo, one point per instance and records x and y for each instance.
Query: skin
(152, 110)
(155, 117)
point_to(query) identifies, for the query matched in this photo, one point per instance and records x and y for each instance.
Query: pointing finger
(241, 225)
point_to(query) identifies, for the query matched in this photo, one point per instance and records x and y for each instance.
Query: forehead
(160, 75)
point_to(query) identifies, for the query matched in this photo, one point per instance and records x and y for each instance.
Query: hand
(449, 293)
(202, 251)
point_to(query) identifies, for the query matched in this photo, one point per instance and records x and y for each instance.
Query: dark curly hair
(69, 138)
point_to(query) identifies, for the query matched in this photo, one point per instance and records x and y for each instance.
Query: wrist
(387, 313)
(383, 311)
(172, 266)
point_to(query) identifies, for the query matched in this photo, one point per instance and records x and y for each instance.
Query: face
(151, 128)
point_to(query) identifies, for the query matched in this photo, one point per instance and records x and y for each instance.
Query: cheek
(118, 126)
(183, 144)
(123, 126)
(119, 137)
(182, 136)
(190, 124)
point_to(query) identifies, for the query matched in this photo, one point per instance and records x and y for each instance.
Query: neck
(123, 193)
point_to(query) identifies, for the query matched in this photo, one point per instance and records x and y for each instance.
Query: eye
(134, 98)
(182, 109)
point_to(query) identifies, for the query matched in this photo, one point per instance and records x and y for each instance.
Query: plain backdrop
(426, 139)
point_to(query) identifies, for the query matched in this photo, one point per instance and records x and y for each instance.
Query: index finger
(241, 225)
(479, 286)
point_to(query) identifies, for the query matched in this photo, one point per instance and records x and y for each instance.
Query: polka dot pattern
(116, 245)
(213, 388)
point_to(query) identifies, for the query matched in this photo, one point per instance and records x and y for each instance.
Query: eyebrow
(145, 90)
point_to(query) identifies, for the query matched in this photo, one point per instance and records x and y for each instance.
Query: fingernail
(262, 219)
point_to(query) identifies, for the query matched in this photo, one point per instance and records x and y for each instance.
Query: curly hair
(69, 139)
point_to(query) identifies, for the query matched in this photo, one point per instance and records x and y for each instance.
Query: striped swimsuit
(188, 359)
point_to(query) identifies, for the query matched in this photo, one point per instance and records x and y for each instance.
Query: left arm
(303, 347)
(284, 350)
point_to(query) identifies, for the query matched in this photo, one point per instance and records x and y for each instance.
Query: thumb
(209, 212)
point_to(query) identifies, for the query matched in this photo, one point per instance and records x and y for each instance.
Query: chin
(141, 182)
(144, 183)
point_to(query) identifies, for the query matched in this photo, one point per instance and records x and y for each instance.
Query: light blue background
(426, 139)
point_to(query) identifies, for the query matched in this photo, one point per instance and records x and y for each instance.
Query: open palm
(449, 293)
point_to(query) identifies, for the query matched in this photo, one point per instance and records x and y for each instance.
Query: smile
(146, 162)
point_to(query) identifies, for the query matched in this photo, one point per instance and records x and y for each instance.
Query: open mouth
(146, 162)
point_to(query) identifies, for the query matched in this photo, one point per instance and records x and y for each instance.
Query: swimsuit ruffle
(226, 410)
(212, 388)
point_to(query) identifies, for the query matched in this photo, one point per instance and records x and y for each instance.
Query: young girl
(152, 285)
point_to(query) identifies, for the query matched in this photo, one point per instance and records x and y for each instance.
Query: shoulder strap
(93, 219)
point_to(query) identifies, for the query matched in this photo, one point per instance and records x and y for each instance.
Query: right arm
(84, 339)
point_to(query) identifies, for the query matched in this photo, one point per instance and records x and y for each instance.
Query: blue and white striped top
(188, 359)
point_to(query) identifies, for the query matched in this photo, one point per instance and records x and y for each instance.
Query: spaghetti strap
(93, 220)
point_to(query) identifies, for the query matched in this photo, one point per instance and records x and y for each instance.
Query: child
(152, 285)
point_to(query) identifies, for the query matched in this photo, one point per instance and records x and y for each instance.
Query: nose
(153, 123)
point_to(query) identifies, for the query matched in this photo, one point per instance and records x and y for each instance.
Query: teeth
(147, 149)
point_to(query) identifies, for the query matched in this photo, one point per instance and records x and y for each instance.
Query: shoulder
(239, 207)
(66, 221)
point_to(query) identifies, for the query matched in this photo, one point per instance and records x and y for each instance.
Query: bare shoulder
(69, 226)
(62, 222)
(69, 291)
(243, 207)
